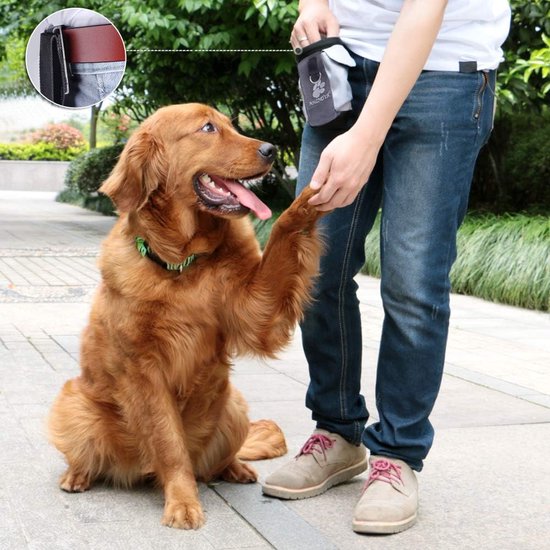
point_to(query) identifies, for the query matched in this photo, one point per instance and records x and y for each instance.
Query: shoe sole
(335, 479)
(383, 527)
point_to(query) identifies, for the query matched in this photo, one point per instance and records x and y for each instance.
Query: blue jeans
(421, 181)
(93, 82)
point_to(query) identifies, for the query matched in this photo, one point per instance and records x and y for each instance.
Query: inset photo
(75, 58)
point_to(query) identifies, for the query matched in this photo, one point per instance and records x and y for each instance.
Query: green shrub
(38, 151)
(97, 203)
(526, 165)
(500, 258)
(87, 172)
(513, 170)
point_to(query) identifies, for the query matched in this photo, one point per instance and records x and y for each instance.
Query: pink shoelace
(317, 442)
(383, 470)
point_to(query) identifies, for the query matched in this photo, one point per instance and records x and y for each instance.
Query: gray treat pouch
(323, 80)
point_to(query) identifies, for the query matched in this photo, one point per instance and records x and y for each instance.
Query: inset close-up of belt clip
(76, 58)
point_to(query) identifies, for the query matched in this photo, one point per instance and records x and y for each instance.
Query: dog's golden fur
(154, 397)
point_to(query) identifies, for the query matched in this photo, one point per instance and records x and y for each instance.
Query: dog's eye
(208, 127)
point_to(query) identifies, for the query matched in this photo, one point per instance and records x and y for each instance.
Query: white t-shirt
(472, 30)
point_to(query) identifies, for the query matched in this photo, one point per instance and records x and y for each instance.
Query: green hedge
(38, 151)
(513, 170)
(86, 174)
(502, 258)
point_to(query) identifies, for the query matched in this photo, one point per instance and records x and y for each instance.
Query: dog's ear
(140, 169)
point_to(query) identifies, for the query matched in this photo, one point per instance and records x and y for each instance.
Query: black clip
(54, 65)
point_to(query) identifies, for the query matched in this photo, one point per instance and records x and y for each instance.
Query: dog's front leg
(265, 309)
(151, 412)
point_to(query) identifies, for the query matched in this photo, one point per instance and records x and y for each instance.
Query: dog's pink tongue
(248, 199)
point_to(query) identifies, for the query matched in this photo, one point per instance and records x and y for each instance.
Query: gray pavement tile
(22, 396)
(36, 430)
(41, 513)
(251, 365)
(69, 342)
(13, 541)
(269, 387)
(100, 505)
(61, 361)
(47, 317)
(58, 541)
(11, 532)
(491, 382)
(272, 519)
(28, 410)
(537, 398)
(11, 335)
(14, 443)
(4, 406)
(231, 531)
(461, 404)
(292, 417)
(19, 345)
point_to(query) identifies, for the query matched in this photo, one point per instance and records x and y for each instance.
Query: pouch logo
(318, 88)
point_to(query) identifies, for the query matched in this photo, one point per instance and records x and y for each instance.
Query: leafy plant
(523, 76)
(38, 151)
(13, 76)
(118, 125)
(87, 172)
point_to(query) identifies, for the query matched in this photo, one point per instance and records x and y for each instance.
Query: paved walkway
(486, 483)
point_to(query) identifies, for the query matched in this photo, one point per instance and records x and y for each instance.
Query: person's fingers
(337, 200)
(299, 37)
(312, 32)
(332, 27)
(321, 173)
(325, 194)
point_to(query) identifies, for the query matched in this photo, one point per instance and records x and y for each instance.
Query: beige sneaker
(325, 460)
(389, 502)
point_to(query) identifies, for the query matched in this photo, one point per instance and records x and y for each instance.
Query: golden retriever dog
(184, 289)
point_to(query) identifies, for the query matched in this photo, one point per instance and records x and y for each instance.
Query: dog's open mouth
(230, 196)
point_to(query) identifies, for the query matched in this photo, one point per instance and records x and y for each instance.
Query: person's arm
(346, 163)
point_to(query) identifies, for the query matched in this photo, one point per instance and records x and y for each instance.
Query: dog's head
(192, 156)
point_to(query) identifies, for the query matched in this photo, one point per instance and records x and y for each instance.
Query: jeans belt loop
(467, 66)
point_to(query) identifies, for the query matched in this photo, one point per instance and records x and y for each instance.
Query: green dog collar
(145, 251)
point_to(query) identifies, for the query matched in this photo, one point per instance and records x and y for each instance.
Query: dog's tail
(265, 440)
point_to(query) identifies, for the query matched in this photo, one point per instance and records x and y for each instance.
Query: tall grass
(502, 258)
(505, 259)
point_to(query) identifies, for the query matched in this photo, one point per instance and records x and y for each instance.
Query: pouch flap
(339, 54)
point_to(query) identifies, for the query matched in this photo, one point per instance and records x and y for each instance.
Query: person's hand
(315, 20)
(344, 167)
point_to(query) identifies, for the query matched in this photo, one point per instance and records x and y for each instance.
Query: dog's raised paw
(300, 215)
(182, 515)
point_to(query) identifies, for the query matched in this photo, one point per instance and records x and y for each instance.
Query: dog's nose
(267, 151)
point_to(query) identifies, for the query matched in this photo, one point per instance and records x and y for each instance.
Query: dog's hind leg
(219, 457)
(85, 433)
